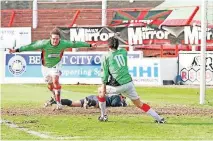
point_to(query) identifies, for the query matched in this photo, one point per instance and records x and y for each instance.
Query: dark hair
(55, 31)
(113, 42)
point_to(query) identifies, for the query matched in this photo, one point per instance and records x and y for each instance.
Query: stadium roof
(185, 12)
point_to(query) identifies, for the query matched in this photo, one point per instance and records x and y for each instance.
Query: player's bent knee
(50, 87)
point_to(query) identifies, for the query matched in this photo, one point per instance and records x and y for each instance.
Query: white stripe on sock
(102, 106)
(153, 114)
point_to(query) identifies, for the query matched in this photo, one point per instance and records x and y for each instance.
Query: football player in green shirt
(116, 79)
(52, 52)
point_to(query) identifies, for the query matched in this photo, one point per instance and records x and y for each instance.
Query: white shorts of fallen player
(127, 90)
(49, 72)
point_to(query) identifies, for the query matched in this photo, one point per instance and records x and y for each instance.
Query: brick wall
(61, 15)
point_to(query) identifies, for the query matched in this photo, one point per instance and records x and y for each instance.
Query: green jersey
(51, 55)
(114, 65)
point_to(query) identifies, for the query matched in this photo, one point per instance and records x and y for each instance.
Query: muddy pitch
(131, 110)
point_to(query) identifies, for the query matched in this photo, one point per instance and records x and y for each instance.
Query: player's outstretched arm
(11, 51)
(31, 47)
(77, 44)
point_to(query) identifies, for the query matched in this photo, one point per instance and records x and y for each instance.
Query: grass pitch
(22, 105)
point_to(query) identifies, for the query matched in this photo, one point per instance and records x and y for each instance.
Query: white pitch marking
(12, 125)
(35, 133)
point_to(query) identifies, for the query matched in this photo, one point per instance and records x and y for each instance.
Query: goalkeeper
(92, 101)
(52, 52)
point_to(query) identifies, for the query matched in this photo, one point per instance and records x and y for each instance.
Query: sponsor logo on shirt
(53, 55)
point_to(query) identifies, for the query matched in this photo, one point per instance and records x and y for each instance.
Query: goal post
(203, 51)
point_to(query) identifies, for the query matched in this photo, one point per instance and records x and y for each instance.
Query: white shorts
(127, 90)
(49, 72)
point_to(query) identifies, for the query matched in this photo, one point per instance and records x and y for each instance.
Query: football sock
(50, 87)
(66, 102)
(58, 96)
(57, 91)
(146, 108)
(102, 105)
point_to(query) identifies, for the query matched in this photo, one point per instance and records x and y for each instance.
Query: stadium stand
(64, 14)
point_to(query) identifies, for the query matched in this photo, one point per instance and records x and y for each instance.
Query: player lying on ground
(116, 79)
(52, 52)
(92, 101)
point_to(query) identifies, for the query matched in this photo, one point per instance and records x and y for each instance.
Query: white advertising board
(145, 71)
(152, 71)
(81, 67)
(78, 67)
(189, 67)
(15, 37)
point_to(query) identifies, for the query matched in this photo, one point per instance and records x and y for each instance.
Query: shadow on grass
(173, 123)
(191, 123)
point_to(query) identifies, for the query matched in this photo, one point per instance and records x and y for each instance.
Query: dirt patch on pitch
(169, 110)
